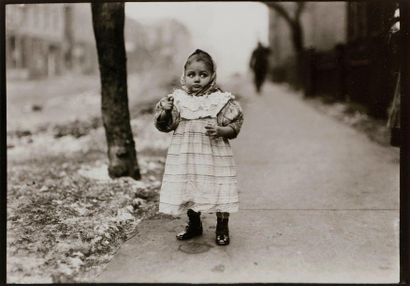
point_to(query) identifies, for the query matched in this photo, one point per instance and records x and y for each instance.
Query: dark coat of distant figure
(259, 64)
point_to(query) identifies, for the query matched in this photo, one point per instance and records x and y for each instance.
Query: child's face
(197, 75)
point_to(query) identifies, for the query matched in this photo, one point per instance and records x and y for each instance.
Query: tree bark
(297, 39)
(296, 31)
(108, 24)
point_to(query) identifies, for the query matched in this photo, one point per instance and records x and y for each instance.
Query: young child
(200, 174)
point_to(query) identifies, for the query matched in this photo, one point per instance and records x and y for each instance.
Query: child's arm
(221, 131)
(230, 121)
(236, 123)
(166, 115)
(166, 104)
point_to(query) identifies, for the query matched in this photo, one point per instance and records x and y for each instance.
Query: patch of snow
(32, 279)
(99, 173)
(124, 215)
(46, 144)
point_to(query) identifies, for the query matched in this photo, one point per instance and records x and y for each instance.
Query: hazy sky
(227, 30)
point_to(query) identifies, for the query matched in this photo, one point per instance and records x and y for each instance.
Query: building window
(35, 15)
(56, 19)
(46, 14)
(12, 51)
(24, 13)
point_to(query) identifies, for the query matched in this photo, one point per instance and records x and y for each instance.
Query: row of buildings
(46, 40)
(348, 50)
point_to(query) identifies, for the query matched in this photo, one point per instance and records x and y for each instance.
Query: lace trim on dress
(195, 107)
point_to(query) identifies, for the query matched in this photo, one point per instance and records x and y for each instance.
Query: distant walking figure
(200, 173)
(259, 64)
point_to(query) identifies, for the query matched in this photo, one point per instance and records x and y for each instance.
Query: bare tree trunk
(297, 37)
(293, 22)
(298, 45)
(296, 30)
(108, 24)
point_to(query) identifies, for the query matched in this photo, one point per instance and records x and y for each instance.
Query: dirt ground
(66, 218)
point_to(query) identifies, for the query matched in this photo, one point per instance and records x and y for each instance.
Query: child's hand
(220, 131)
(212, 130)
(167, 103)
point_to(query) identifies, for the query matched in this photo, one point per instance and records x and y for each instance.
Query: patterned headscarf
(211, 85)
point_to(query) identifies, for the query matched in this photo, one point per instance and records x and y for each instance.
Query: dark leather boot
(194, 227)
(222, 231)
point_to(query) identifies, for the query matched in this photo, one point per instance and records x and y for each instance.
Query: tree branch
(299, 9)
(280, 10)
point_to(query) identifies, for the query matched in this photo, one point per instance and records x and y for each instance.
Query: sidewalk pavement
(319, 202)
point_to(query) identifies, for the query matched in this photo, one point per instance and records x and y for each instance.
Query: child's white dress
(200, 172)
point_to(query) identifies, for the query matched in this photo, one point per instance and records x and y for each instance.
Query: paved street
(319, 203)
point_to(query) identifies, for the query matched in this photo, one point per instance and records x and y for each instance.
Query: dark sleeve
(231, 115)
(166, 123)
